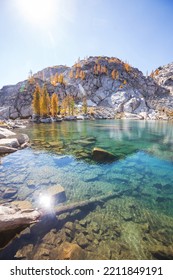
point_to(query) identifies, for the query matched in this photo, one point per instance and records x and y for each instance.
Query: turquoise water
(136, 225)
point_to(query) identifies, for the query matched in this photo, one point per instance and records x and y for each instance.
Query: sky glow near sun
(39, 13)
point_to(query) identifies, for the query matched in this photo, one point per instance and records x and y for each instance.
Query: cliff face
(106, 82)
(164, 76)
(163, 99)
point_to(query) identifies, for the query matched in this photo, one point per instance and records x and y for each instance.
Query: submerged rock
(51, 197)
(82, 240)
(101, 155)
(68, 251)
(25, 252)
(10, 192)
(58, 193)
(22, 204)
(162, 252)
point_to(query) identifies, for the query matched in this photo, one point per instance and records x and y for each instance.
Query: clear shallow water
(141, 219)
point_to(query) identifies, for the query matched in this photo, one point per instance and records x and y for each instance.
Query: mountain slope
(105, 81)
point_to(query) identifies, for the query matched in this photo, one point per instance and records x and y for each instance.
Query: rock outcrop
(164, 76)
(106, 82)
(11, 218)
(10, 142)
(5, 133)
(162, 102)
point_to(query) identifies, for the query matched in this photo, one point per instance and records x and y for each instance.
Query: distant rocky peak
(164, 76)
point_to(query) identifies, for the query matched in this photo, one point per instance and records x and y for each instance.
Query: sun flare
(37, 12)
(45, 202)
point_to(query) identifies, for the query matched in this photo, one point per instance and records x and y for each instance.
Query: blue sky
(35, 34)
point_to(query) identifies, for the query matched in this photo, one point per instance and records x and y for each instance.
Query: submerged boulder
(57, 193)
(9, 192)
(22, 204)
(50, 197)
(102, 155)
(68, 251)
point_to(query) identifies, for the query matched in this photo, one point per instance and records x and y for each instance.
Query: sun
(40, 13)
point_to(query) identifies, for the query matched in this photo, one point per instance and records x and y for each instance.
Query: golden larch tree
(82, 75)
(113, 74)
(71, 105)
(95, 69)
(98, 68)
(64, 105)
(77, 74)
(71, 75)
(44, 102)
(36, 100)
(156, 72)
(84, 105)
(127, 67)
(54, 105)
(61, 79)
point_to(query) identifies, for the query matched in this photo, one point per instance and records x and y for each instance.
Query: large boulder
(133, 116)
(5, 133)
(101, 155)
(22, 138)
(11, 218)
(11, 142)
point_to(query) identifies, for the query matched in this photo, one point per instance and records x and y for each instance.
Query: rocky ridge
(107, 82)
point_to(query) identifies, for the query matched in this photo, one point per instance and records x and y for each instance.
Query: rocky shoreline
(10, 141)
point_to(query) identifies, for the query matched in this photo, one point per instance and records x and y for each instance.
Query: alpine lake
(137, 223)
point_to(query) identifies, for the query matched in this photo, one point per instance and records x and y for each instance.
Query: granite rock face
(105, 81)
(162, 102)
(164, 76)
